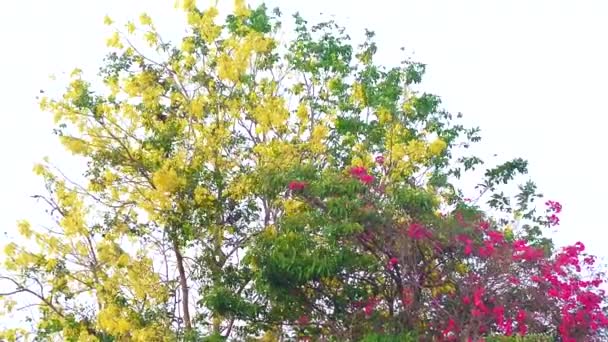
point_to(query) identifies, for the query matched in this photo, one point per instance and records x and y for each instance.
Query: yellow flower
(384, 115)
(302, 114)
(188, 5)
(39, 169)
(145, 19)
(166, 180)
(10, 249)
(123, 260)
(292, 206)
(25, 229)
(416, 151)
(151, 37)
(114, 41)
(359, 94)
(74, 145)
(437, 147)
(107, 20)
(240, 8)
(188, 45)
(77, 72)
(317, 138)
(202, 196)
(130, 27)
(51, 264)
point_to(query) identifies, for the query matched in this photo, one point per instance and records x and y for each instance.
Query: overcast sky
(531, 73)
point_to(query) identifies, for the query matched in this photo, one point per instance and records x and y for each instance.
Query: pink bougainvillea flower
(499, 313)
(370, 304)
(392, 262)
(478, 298)
(553, 220)
(496, 237)
(417, 231)
(484, 225)
(523, 329)
(508, 327)
(297, 185)
(589, 260)
(554, 206)
(366, 179)
(358, 171)
(450, 328)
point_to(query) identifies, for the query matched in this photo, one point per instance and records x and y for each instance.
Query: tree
(239, 188)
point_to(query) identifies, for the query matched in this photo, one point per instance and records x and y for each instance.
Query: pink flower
(484, 225)
(417, 231)
(380, 160)
(368, 309)
(521, 316)
(553, 220)
(366, 179)
(554, 206)
(499, 313)
(590, 260)
(496, 237)
(523, 329)
(478, 298)
(392, 262)
(487, 250)
(361, 173)
(508, 327)
(450, 328)
(358, 171)
(297, 185)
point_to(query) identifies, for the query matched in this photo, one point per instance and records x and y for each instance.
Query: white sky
(531, 73)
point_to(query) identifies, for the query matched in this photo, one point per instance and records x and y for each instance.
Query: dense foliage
(241, 188)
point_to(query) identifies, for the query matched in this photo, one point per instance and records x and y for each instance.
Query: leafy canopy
(242, 188)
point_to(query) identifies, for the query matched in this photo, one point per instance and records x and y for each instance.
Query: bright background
(532, 74)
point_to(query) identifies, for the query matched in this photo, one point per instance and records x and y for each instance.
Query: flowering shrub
(449, 276)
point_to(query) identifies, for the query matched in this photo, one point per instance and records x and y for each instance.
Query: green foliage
(528, 338)
(405, 337)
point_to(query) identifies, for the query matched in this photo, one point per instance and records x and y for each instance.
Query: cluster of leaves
(238, 188)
